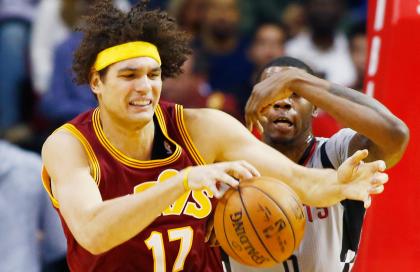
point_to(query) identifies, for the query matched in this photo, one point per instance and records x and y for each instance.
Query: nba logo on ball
(260, 223)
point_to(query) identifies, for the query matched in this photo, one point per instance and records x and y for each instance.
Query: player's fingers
(376, 166)
(236, 169)
(351, 164)
(261, 118)
(255, 123)
(259, 127)
(213, 188)
(379, 179)
(358, 156)
(248, 121)
(253, 120)
(213, 240)
(367, 202)
(227, 179)
(223, 187)
(251, 168)
(381, 165)
(376, 190)
(249, 125)
(250, 111)
(254, 108)
(209, 228)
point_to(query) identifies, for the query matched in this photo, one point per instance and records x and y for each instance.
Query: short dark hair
(357, 29)
(286, 61)
(108, 26)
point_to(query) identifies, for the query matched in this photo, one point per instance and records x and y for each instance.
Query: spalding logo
(236, 219)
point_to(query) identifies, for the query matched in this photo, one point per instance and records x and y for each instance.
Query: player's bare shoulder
(209, 130)
(63, 149)
(60, 141)
(215, 133)
(200, 114)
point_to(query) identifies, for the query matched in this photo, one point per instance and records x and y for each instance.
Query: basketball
(260, 223)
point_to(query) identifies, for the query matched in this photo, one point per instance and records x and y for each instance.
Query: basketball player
(135, 180)
(332, 233)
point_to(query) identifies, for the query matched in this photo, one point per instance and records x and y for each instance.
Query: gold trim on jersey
(95, 169)
(118, 155)
(46, 181)
(192, 149)
(93, 161)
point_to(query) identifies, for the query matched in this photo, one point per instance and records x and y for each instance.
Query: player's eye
(127, 76)
(154, 75)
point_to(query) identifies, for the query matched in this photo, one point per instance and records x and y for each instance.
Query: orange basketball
(260, 223)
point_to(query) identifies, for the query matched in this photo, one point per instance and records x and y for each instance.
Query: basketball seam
(255, 230)
(224, 230)
(285, 214)
(297, 200)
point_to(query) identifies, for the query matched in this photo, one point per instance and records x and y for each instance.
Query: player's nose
(142, 84)
(284, 103)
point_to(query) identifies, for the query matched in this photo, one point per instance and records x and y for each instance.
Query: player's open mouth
(283, 121)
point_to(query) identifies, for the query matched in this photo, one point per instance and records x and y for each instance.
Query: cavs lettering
(199, 206)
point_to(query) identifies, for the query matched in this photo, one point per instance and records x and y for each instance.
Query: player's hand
(219, 177)
(275, 87)
(359, 179)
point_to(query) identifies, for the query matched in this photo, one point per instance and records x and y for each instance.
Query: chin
(142, 118)
(282, 135)
(281, 138)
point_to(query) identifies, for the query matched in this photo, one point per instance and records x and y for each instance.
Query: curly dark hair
(108, 26)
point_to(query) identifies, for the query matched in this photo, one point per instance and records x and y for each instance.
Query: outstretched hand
(359, 179)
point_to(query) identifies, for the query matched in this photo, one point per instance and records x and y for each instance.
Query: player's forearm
(316, 187)
(115, 221)
(353, 109)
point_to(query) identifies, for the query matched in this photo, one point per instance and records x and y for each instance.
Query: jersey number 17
(156, 244)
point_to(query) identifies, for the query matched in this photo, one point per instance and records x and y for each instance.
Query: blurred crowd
(231, 40)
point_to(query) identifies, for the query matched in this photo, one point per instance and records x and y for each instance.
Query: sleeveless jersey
(175, 240)
(331, 234)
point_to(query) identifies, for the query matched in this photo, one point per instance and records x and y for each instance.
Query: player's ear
(94, 81)
(315, 111)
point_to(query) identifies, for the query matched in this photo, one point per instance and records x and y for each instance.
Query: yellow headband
(126, 51)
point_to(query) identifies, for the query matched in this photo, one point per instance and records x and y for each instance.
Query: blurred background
(231, 41)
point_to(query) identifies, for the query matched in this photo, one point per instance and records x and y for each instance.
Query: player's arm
(378, 130)
(96, 224)
(220, 137)
(101, 225)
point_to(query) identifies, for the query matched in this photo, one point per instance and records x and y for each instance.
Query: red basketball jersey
(175, 240)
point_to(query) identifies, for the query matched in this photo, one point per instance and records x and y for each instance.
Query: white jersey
(331, 234)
